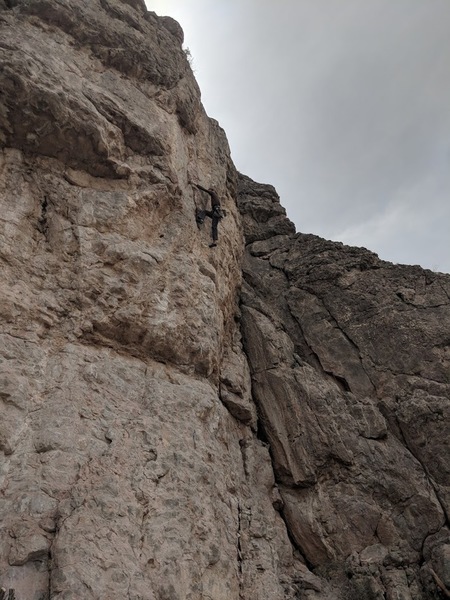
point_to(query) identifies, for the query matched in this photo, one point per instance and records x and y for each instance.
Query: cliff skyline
(343, 107)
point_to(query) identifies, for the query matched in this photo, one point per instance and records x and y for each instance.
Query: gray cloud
(343, 105)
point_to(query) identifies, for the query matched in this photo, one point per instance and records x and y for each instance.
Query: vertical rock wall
(122, 473)
(147, 450)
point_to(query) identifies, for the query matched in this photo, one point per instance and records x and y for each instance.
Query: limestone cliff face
(268, 419)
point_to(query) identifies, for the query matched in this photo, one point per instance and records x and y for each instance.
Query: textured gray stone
(350, 371)
(169, 428)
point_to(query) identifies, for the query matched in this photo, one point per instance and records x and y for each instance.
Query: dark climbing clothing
(214, 197)
(215, 218)
(215, 214)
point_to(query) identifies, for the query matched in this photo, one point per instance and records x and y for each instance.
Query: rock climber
(215, 214)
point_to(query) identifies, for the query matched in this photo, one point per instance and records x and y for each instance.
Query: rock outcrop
(267, 419)
(350, 374)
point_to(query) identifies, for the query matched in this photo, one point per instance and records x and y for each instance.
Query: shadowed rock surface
(350, 374)
(268, 419)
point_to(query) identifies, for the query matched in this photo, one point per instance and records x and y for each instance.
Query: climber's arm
(200, 187)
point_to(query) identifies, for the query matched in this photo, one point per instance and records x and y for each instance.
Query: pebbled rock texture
(267, 419)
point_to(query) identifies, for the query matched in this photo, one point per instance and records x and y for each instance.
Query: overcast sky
(342, 105)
